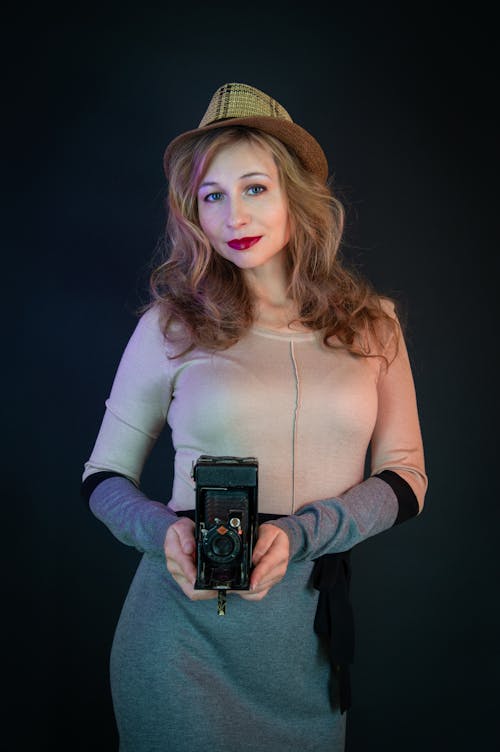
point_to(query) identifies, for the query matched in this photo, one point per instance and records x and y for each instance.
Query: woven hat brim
(291, 134)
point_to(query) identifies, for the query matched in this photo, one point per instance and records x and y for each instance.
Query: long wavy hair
(196, 287)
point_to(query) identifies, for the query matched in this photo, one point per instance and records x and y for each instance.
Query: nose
(237, 213)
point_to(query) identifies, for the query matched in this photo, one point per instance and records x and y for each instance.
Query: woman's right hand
(180, 553)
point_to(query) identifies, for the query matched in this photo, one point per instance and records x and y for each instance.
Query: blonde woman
(257, 343)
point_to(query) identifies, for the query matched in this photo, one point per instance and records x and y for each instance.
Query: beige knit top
(306, 412)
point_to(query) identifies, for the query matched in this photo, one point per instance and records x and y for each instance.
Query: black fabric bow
(334, 620)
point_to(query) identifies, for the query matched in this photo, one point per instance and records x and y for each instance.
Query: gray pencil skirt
(184, 679)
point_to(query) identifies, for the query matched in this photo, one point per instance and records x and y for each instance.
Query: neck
(274, 309)
(269, 283)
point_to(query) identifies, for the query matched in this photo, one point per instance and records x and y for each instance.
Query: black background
(402, 102)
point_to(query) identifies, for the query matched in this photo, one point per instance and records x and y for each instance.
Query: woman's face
(242, 207)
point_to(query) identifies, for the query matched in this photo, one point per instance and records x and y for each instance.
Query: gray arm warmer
(132, 518)
(335, 525)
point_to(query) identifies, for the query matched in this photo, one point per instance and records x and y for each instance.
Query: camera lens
(222, 545)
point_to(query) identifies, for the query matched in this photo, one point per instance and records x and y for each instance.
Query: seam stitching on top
(295, 417)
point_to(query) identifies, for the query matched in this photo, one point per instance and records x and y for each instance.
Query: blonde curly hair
(208, 295)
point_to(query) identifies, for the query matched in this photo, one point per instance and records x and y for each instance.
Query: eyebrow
(242, 177)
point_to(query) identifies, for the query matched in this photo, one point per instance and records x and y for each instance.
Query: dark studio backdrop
(402, 106)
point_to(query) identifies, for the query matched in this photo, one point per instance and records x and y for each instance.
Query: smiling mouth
(241, 244)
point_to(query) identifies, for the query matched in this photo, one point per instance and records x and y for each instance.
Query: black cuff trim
(92, 481)
(407, 501)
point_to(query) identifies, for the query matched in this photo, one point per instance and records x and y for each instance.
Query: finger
(177, 534)
(266, 578)
(249, 595)
(185, 536)
(187, 587)
(179, 562)
(196, 595)
(187, 543)
(267, 534)
(182, 566)
(199, 595)
(272, 566)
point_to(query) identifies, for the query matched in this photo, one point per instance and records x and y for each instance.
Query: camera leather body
(226, 521)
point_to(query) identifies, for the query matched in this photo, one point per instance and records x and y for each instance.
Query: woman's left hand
(270, 560)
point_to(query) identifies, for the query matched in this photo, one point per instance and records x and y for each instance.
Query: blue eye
(211, 197)
(254, 190)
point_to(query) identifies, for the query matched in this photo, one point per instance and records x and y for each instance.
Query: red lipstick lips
(241, 244)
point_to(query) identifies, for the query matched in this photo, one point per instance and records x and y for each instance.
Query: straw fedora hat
(241, 104)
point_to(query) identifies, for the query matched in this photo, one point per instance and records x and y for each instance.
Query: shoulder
(389, 322)
(162, 331)
(388, 306)
(147, 344)
(150, 319)
(148, 329)
(385, 329)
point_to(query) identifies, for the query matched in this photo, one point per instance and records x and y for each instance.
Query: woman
(257, 342)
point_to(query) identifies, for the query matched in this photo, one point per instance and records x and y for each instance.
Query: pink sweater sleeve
(137, 406)
(397, 441)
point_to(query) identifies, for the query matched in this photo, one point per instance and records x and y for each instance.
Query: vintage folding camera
(226, 521)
